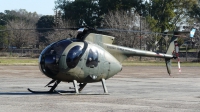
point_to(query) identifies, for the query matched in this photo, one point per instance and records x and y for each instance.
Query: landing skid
(40, 92)
(51, 91)
(75, 92)
(66, 92)
(82, 85)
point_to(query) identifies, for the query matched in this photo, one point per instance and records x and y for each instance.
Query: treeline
(149, 16)
(19, 29)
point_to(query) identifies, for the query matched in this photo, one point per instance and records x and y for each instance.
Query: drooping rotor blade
(136, 31)
(171, 33)
(102, 30)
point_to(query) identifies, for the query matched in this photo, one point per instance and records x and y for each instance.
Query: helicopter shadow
(15, 93)
(30, 94)
(23, 93)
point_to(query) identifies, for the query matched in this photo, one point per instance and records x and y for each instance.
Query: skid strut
(104, 86)
(75, 86)
(54, 86)
(52, 90)
(81, 85)
(52, 81)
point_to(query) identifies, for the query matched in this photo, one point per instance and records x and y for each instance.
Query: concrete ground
(136, 88)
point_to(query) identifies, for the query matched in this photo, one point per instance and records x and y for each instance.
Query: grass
(18, 61)
(159, 63)
(188, 50)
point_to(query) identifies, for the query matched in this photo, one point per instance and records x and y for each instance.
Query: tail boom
(120, 50)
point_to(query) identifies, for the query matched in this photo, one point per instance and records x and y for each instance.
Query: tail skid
(168, 65)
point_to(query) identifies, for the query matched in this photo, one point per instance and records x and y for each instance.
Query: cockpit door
(92, 62)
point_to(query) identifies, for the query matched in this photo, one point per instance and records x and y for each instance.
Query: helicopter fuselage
(71, 59)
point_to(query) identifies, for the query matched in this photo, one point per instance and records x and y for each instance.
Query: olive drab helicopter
(91, 57)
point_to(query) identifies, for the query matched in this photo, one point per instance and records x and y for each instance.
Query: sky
(43, 7)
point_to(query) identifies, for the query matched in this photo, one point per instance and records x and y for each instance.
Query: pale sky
(44, 7)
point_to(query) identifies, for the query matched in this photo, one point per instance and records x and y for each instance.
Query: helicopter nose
(49, 65)
(50, 57)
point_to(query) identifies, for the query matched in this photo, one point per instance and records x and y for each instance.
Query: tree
(45, 22)
(45, 26)
(166, 15)
(195, 12)
(49, 32)
(3, 21)
(59, 34)
(21, 19)
(116, 5)
(92, 12)
(125, 22)
(19, 37)
(160, 14)
(3, 37)
(83, 12)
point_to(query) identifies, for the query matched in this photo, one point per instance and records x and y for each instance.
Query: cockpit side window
(92, 59)
(56, 48)
(74, 56)
(60, 46)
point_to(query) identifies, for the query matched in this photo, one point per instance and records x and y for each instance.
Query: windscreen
(49, 58)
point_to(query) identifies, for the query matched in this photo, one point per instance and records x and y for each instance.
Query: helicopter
(92, 57)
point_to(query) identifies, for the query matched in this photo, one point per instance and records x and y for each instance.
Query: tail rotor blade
(177, 55)
(179, 65)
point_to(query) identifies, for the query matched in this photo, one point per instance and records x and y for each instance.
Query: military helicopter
(91, 57)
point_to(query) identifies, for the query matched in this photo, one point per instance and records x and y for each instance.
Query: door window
(92, 59)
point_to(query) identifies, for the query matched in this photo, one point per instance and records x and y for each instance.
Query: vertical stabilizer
(170, 51)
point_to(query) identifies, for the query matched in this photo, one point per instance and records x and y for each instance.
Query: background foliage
(140, 15)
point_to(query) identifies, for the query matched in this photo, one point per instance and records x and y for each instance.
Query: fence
(34, 53)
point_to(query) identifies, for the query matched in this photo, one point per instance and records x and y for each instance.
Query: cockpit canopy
(74, 56)
(49, 58)
(56, 48)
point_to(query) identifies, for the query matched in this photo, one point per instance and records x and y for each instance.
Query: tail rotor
(177, 55)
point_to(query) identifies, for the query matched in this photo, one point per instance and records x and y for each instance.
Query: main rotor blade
(103, 30)
(42, 29)
(175, 33)
(134, 31)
